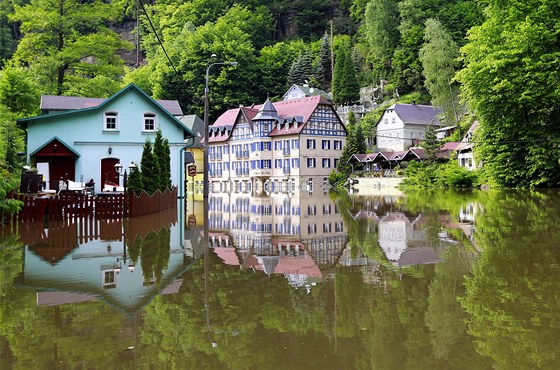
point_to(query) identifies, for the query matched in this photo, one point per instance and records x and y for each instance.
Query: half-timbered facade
(283, 145)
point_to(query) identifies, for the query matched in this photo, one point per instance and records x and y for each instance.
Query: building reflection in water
(86, 259)
(296, 235)
(303, 236)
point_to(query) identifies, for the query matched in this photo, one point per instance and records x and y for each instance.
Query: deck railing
(73, 205)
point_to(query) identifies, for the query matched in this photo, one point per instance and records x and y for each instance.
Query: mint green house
(82, 139)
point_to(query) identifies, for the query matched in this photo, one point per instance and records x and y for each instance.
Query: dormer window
(149, 122)
(110, 121)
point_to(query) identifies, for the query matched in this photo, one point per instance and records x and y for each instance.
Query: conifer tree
(346, 88)
(134, 182)
(324, 67)
(430, 143)
(150, 169)
(301, 69)
(162, 160)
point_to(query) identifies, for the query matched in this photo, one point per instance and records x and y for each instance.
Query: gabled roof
(309, 91)
(106, 102)
(295, 110)
(55, 138)
(416, 114)
(63, 103)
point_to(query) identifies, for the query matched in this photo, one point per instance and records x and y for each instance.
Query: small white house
(404, 125)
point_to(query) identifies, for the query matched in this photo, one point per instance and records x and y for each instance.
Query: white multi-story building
(275, 146)
(404, 125)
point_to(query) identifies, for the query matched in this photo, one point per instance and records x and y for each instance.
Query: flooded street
(291, 281)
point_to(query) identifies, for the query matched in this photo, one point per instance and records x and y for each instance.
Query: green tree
(382, 34)
(163, 158)
(346, 89)
(150, 169)
(510, 61)
(70, 45)
(274, 64)
(301, 69)
(439, 57)
(324, 66)
(430, 143)
(351, 147)
(18, 90)
(191, 50)
(134, 182)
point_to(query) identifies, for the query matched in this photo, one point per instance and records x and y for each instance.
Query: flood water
(299, 281)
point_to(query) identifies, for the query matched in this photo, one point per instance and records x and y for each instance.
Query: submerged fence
(73, 205)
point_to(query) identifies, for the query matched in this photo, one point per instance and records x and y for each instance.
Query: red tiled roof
(289, 109)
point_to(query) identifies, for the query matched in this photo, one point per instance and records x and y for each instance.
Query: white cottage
(404, 125)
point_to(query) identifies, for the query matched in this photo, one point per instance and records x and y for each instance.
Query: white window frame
(149, 116)
(109, 115)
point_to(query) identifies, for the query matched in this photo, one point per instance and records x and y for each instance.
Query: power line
(157, 36)
(474, 142)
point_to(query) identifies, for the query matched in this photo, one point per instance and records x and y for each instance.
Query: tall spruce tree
(324, 67)
(150, 169)
(430, 143)
(301, 69)
(346, 89)
(161, 158)
(134, 182)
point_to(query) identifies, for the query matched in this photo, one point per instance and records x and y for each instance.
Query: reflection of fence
(73, 205)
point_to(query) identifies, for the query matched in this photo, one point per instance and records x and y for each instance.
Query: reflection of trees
(513, 298)
(154, 253)
(69, 336)
(11, 262)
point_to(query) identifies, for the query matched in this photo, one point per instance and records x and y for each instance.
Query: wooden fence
(77, 205)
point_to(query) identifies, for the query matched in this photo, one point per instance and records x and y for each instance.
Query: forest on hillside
(490, 60)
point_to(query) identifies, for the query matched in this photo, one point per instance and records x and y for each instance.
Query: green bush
(336, 178)
(439, 175)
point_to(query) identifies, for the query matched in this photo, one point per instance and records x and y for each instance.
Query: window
(326, 162)
(338, 145)
(311, 163)
(326, 145)
(312, 229)
(110, 121)
(311, 210)
(310, 143)
(149, 122)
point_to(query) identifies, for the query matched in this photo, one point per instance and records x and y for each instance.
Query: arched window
(149, 122)
(110, 121)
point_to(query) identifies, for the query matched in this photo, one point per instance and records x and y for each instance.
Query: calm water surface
(305, 281)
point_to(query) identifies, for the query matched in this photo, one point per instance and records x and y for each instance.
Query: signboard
(191, 170)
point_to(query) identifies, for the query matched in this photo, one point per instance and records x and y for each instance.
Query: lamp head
(118, 167)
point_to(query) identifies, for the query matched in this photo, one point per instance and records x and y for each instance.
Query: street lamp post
(206, 185)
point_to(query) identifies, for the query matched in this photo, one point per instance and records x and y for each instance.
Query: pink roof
(452, 145)
(302, 107)
(298, 265)
(228, 255)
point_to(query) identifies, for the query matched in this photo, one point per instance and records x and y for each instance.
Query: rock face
(127, 31)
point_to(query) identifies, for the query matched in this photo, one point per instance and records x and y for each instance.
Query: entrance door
(108, 173)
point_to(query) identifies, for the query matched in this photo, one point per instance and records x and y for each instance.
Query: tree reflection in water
(490, 301)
